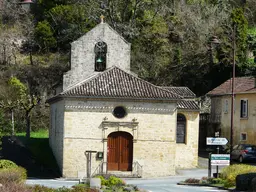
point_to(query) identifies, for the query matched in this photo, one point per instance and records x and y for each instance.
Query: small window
(226, 106)
(119, 112)
(243, 136)
(100, 51)
(181, 129)
(244, 108)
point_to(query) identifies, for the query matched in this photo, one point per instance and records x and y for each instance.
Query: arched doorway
(120, 151)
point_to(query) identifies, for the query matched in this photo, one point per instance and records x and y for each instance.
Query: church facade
(106, 120)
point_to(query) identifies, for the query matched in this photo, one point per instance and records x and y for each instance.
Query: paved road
(169, 184)
(164, 184)
(53, 183)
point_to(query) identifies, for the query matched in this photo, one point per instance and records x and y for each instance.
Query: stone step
(124, 174)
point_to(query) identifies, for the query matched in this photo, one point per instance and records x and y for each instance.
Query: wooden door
(120, 150)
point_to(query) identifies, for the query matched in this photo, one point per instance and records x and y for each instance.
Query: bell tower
(96, 51)
(100, 51)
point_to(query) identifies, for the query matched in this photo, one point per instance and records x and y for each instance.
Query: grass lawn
(42, 133)
(38, 144)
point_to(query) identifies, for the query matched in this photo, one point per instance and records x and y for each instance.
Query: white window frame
(241, 136)
(244, 108)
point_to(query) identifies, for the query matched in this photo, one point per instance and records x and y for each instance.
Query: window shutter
(244, 108)
(241, 108)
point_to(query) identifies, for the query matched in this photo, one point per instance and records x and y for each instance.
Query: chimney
(26, 5)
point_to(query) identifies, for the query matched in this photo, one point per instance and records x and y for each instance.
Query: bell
(99, 60)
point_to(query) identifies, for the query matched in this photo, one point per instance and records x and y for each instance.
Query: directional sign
(220, 159)
(216, 141)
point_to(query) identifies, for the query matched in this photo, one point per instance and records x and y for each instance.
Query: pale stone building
(107, 120)
(244, 116)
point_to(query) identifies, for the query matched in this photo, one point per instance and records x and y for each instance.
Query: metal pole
(209, 165)
(217, 167)
(232, 89)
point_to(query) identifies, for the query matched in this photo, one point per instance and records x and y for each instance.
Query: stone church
(106, 120)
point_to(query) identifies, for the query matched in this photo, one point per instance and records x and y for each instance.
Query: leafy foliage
(171, 43)
(110, 181)
(229, 173)
(6, 164)
(5, 125)
(44, 35)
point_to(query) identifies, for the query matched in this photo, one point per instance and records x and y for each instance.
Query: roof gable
(116, 83)
(242, 85)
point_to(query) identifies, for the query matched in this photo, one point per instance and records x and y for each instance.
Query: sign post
(220, 159)
(216, 141)
(217, 159)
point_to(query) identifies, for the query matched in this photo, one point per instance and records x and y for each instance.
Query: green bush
(218, 181)
(6, 164)
(111, 181)
(103, 180)
(114, 181)
(17, 175)
(229, 173)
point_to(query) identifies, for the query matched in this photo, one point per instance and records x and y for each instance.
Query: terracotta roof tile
(242, 85)
(187, 104)
(116, 83)
(182, 91)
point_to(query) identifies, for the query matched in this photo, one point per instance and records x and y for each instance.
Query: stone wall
(83, 56)
(154, 134)
(56, 132)
(187, 154)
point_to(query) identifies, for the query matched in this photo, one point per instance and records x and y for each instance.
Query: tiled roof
(187, 104)
(242, 85)
(116, 83)
(182, 91)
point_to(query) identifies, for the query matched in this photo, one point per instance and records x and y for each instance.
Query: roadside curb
(206, 185)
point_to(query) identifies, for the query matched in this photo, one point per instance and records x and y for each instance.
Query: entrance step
(124, 174)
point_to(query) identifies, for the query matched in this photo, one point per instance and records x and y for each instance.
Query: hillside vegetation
(174, 42)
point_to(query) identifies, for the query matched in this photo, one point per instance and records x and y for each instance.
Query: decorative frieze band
(110, 108)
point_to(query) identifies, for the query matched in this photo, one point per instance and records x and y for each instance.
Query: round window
(119, 112)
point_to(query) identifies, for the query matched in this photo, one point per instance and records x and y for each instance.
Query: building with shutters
(106, 120)
(244, 130)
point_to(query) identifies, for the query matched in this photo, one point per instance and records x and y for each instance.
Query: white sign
(216, 141)
(220, 159)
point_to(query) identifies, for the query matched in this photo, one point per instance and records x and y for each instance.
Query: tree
(26, 101)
